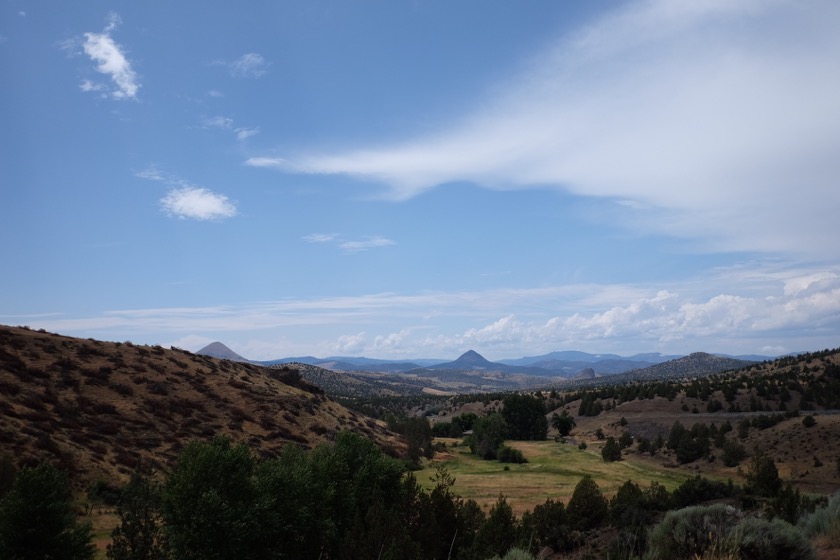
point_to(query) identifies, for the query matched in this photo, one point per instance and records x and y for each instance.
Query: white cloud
(350, 344)
(350, 246)
(249, 65)
(245, 133)
(88, 85)
(186, 200)
(197, 203)
(110, 60)
(796, 286)
(711, 119)
(365, 244)
(224, 123)
(320, 237)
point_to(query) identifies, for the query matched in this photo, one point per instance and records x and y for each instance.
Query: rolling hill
(98, 409)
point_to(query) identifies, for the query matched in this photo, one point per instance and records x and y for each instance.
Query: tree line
(347, 500)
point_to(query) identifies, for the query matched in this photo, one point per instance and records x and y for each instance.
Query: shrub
(759, 539)
(824, 521)
(515, 554)
(510, 455)
(733, 453)
(690, 532)
(809, 421)
(700, 489)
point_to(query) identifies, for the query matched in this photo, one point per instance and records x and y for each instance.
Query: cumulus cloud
(188, 201)
(197, 203)
(110, 60)
(249, 65)
(708, 119)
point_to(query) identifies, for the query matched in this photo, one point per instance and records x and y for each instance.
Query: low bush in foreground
(720, 531)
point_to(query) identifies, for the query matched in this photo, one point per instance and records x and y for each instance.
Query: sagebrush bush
(760, 539)
(719, 532)
(824, 521)
(515, 554)
(690, 532)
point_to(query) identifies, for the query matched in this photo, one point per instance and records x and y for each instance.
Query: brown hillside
(98, 408)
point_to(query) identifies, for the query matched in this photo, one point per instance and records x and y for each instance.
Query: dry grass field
(552, 471)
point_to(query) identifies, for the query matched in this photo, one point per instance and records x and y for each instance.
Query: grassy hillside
(97, 408)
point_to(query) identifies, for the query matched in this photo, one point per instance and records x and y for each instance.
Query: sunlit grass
(553, 470)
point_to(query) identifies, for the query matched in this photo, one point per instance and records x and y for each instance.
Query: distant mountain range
(567, 364)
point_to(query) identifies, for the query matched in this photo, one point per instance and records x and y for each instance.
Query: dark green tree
(547, 525)
(499, 531)
(489, 432)
(587, 508)
(8, 472)
(208, 503)
(563, 423)
(762, 477)
(350, 476)
(611, 451)
(378, 534)
(37, 520)
(525, 417)
(291, 505)
(139, 535)
(733, 453)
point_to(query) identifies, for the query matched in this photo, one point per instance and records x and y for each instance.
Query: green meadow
(552, 471)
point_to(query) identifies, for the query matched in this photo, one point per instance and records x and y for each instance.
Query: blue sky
(418, 178)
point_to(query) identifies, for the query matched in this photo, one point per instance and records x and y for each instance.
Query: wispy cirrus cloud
(111, 61)
(350, 246)
(320, 237)
(187, 201)
(249, 65)
(711, 120)
(219, 122)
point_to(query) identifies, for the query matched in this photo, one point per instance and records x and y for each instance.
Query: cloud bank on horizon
(591, 317)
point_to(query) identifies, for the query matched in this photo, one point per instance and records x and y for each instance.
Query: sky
(417, 178)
